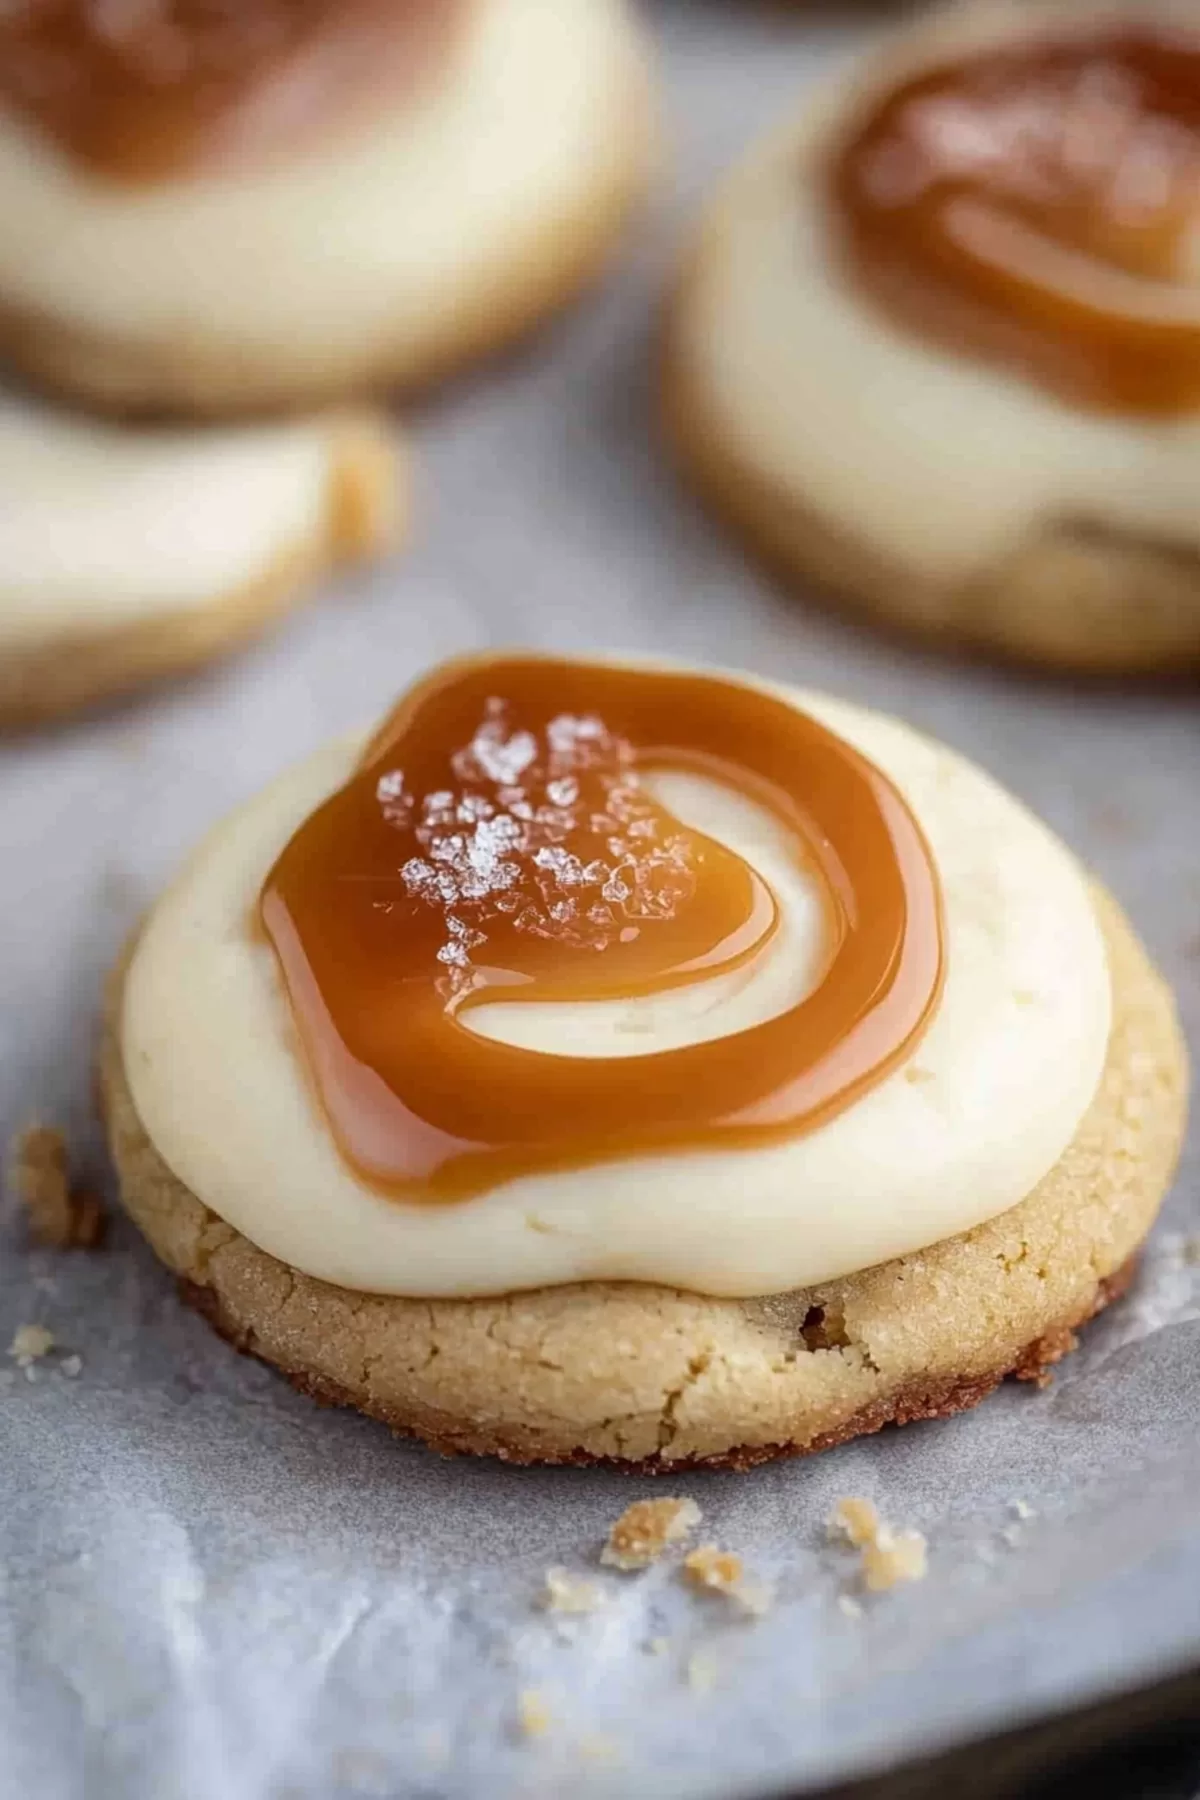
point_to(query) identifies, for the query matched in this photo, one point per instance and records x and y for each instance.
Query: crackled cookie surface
(219, 210)
(938, 347)
(128, 556)
(635, 1019)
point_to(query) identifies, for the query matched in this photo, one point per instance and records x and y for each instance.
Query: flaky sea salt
(549, 833)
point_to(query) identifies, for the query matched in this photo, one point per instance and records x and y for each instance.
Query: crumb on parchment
(567, 1593)
(59, 1217)
(894, 1557)
(702, 1671)
(645, 1529)
(888, 1557)
(595, 1747)
(30, 1343)
(855, 1521)
(718, 1571)
(533, 1715)
(713, 1568)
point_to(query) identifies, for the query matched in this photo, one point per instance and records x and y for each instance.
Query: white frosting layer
(991, 1098)
(100, 526)
(358, 247)
(942, 463)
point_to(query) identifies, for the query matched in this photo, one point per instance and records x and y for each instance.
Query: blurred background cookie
(209, 210)
(128, 556)
(938, 346)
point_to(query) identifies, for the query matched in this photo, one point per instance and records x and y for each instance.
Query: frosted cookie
(129, 556)
(938, 345)
(216, 209)
(615, 1061)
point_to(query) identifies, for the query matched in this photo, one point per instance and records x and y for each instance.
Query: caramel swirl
(143, 90)
(1038, 205)
(499, 841)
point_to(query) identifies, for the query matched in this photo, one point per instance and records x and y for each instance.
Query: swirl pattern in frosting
(1035, 202)
(499, 842)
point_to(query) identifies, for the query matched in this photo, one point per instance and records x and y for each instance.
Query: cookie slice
(130, 556)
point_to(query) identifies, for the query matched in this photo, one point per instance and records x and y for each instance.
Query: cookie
(696, 1298)
(396, 193)
(876, 425)
(177, 548)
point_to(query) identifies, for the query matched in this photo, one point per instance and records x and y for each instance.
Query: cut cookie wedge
(851, 429)
(954, 1224)
(378, 231)
(127, 557)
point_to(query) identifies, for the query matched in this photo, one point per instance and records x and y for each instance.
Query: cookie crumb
(30, 1343)
(1022, 1509)
(855, 1521)
(850, 1606)
(894, 1557)
(888, 1556)
(59, 1217)
(702, 1671)
(657, 1646)
(645, 1529)
(709, 1567)
(598, 1748)
(719, 1571)
(533, 1715)
(567, 1593)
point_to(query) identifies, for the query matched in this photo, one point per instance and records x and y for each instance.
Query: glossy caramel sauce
(146, 90)
(498, 842)
(1038, 204)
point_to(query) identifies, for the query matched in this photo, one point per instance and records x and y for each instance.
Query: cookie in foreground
(623, 1062)
(217, 210)
(127, 557)
(937, 348)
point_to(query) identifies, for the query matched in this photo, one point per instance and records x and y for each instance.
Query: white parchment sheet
(211, 1590)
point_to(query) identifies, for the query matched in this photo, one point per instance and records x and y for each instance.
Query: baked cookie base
(1077, 597)
(654, 1379)
(548, 265)
(70, 669)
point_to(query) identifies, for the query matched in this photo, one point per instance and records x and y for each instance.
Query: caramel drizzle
(1034, 205)
(497, 842)
(149, 90)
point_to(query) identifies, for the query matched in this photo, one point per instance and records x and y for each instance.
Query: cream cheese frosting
(991, 1098)
(161, 523)
(942, 464)
(352, 254)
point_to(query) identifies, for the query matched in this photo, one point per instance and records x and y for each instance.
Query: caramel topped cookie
(938, 346)
(216, 209)
(395, 1071)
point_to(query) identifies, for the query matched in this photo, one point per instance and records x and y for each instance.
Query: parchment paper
(209, 1589)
